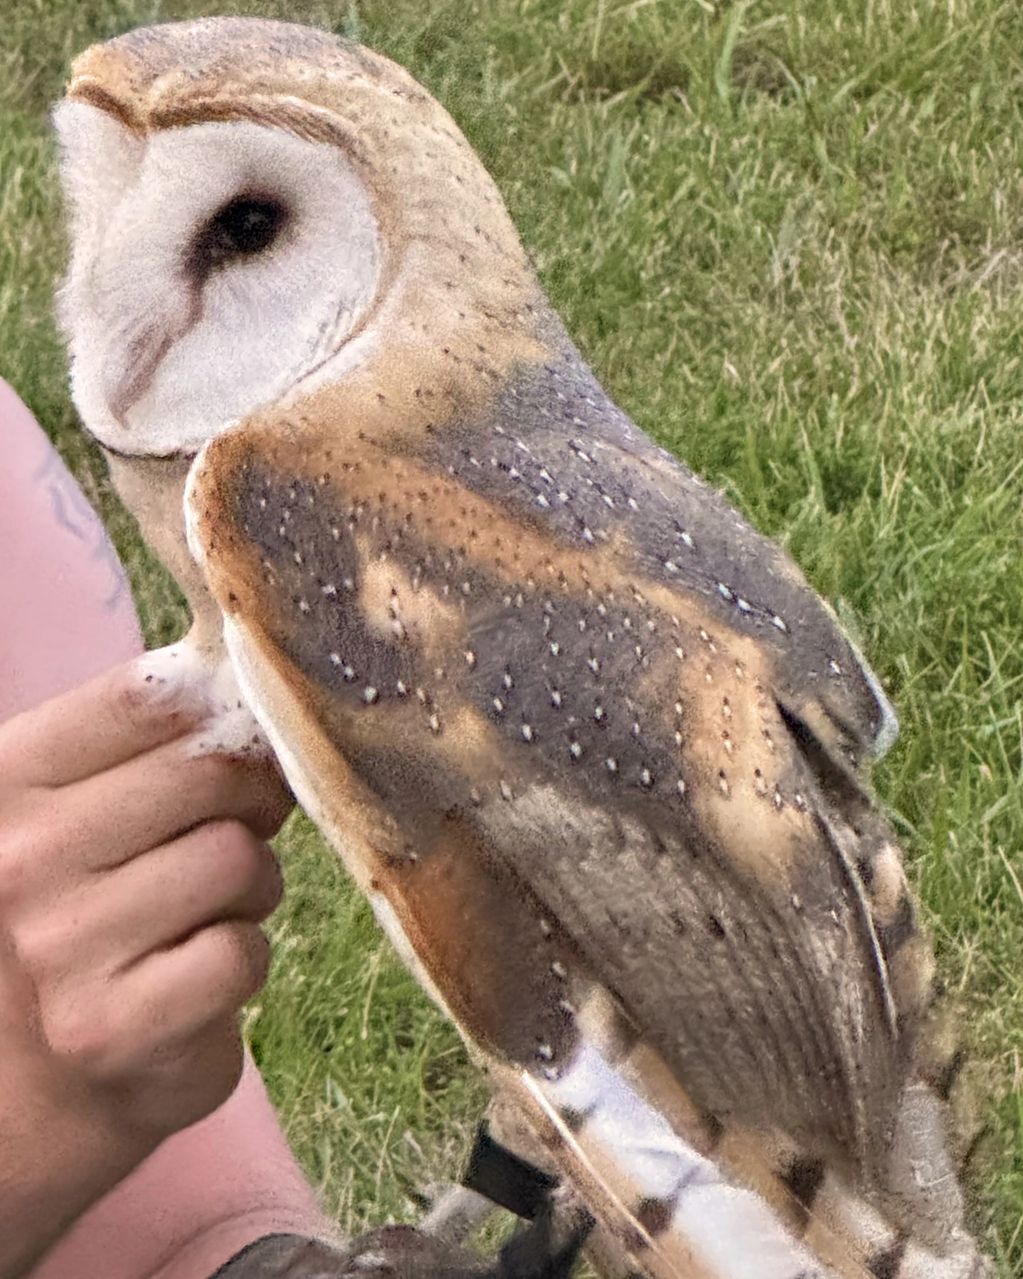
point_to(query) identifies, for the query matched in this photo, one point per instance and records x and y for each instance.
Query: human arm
(133, 878)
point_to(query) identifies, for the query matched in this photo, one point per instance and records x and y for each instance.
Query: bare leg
(456, 1213)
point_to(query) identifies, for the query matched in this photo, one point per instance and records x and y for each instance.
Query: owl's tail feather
(911, 1222)
(678, 1196)
(914, 1228)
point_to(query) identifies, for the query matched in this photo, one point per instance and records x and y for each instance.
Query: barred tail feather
(678, 1194)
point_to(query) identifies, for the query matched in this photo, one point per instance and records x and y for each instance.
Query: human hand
(133, 879)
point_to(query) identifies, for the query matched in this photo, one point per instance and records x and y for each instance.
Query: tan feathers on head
(592, 747)
(382, 206)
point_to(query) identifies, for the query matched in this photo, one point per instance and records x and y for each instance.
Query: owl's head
(255, 207)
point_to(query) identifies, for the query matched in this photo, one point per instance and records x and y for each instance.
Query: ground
(788, 237)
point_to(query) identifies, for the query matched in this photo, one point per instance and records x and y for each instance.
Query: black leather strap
(513, 1183)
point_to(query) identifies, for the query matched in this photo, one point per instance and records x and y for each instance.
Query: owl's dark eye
(242, 228)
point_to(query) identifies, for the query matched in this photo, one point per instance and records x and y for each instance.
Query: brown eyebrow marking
(297, 118)
(91, 91)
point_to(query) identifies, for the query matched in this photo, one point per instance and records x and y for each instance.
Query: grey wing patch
(557, 453)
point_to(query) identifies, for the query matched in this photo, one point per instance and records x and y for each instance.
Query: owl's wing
(587, 741)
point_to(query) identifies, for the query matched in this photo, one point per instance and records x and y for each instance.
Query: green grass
(789, 236)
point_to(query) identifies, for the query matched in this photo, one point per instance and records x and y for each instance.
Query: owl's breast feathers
(597, 741)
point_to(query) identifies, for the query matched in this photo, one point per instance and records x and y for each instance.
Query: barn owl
(590, 745)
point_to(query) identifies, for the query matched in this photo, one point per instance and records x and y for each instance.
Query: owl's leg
(546, 1247)
(550, 1245)
(495, 1177)
(555, 1224)
(511, 1168)
(456, 1212)
(502, 1175)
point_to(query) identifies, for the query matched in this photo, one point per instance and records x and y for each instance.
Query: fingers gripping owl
(591, 746)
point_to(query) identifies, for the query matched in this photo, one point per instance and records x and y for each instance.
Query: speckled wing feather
(581, 734)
